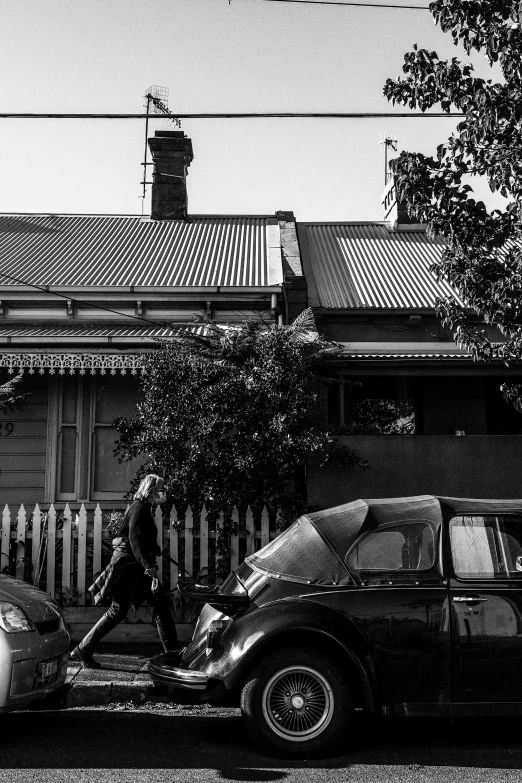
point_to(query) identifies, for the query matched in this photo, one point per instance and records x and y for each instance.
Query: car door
(401, 610)
(486, 608)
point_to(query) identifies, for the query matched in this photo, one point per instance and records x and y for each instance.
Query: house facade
(82, 296)
(426, 416)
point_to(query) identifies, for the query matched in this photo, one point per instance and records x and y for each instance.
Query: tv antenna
(157, 103)
(388, 141)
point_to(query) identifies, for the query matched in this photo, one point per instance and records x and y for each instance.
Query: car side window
(486, 547)
(408, 546)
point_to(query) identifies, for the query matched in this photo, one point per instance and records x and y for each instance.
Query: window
(409, 546)
(87, 469)
(383, 405)
(486, 547)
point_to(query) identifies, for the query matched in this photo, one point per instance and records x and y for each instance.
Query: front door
(486, 608)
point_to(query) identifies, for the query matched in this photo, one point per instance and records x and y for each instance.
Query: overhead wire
(231, 115)
(367, 5)
(46, 290)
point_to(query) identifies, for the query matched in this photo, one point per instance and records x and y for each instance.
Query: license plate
(48, 668)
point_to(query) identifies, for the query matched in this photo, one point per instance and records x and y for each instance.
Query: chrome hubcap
(298, 703)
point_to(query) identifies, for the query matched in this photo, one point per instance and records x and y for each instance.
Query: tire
(297, 702)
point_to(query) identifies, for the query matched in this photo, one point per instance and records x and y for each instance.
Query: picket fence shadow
(61, 550)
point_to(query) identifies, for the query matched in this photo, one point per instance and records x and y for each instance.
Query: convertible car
(403, 606)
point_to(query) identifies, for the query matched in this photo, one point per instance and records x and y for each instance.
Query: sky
(214, 56)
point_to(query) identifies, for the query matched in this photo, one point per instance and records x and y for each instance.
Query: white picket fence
(60, 550)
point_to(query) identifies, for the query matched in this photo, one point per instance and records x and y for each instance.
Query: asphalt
(123, 678)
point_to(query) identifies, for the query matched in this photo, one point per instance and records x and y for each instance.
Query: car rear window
(408, 546)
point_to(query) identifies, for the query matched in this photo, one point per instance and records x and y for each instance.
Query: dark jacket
(136, 543)
(139, 527)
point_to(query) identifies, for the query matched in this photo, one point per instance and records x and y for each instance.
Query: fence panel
(203, 540)
(82, 553)
(189, 541)
(6, 536)
(234, 541)
(35, 548)
(173, 548)
(66, 546)
(50, 551)
(97, 533)
(20, 542)
(158, 519)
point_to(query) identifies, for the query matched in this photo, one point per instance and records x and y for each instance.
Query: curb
(90, 694)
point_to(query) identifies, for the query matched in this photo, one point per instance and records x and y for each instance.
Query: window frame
(490, 580)
(86, 429)
(397, 572)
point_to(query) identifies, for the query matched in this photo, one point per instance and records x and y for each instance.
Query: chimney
(396, 212)
(172, 155)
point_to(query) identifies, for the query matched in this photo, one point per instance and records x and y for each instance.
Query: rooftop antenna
(388, 141)
(158, 101)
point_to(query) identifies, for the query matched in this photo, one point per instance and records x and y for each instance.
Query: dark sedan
(403, 606)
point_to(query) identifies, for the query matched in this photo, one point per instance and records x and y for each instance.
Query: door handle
(468, 599)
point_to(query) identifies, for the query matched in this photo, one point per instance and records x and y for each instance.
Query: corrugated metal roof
(366, 265)
(59, 330)
(403, 350)
(66, 250)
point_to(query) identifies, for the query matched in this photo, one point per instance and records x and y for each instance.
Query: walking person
(132, 575)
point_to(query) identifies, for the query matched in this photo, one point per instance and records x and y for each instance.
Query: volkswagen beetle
(34, 644)
(403, 606)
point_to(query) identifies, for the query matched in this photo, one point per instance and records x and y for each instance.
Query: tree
(231, 416)
(483, 254)
(9, 399)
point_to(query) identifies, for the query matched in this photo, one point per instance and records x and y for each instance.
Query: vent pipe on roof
(171, 155)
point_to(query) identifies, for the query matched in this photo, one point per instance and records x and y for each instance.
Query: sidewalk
(122, 678)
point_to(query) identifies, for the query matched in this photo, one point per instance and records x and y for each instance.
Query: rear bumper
(165, 670)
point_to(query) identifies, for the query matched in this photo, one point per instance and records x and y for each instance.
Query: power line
(46, 290)
(367, 5)
(233, 115)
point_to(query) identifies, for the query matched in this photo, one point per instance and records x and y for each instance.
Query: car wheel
(297, 702)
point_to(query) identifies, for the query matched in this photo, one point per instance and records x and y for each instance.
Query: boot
(85, 659)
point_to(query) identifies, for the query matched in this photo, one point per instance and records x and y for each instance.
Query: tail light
(215, 631)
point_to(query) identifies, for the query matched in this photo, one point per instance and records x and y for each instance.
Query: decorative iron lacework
(72, 362)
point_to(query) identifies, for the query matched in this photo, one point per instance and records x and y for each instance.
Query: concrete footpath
(122, 678)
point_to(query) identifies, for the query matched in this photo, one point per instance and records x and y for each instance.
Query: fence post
(189, 541)
(51, 551)
(82, 553)
(234, 541)
(158, 518)
(20, 542)
(265, 527)
(67, 560)
(219, 527)
(174, 548)
(250, 532)
(6, 537)
(203, 540)
(97, 535)
(37, 532)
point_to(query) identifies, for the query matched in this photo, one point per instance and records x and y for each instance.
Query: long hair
(146, 486)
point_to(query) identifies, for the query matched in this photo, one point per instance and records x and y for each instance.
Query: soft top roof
(313, 549)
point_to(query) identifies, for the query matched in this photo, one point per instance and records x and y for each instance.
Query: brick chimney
(172, 155)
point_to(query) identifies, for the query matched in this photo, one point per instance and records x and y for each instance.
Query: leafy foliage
(483, 254)
(9, 399)
(375, 416)
(231, 416)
